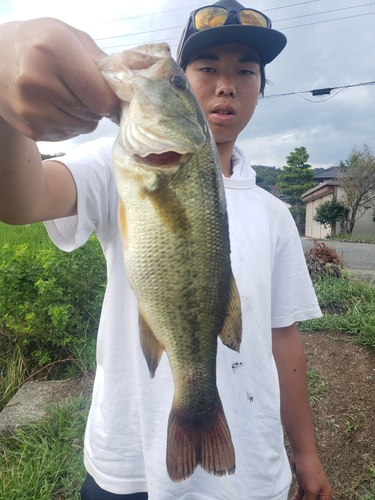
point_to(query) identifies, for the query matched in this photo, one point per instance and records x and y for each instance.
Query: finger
(298, 495)
(58, 53)
(56, 79)
(55, 125)
(47, 110)
(86, 82)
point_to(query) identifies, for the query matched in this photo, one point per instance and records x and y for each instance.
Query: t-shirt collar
(243, 176)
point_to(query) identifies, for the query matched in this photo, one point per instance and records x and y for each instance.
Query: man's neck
(225, 153)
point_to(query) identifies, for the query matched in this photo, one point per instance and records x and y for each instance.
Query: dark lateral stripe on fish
(199, 439)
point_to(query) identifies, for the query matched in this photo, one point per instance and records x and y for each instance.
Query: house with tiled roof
(327, 174)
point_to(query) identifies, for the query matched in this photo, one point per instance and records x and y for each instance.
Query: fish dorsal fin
(151, 347)
(167, 206)
(231, 333)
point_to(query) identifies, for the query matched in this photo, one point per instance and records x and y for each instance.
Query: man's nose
(226, 86)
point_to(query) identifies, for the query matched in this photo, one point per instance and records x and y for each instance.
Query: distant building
(327, 174)
(328, 188)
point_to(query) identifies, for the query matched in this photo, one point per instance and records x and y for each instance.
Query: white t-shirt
(126, 435)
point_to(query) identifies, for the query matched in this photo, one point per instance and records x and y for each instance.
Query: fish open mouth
(158, 160)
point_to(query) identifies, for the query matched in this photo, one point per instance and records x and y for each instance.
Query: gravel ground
(358, 257)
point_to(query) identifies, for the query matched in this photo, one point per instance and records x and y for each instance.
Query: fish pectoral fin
(151, 347)
(231, 332)
(168, 207)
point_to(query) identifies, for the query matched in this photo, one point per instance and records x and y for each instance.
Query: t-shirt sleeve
(91, 167)
(293, 295)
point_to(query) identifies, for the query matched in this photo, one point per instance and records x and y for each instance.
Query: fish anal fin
(152, 349)
(231, 332)
(168, 207)
(199, 439)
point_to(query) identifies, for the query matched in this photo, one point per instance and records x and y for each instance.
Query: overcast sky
(330, 44)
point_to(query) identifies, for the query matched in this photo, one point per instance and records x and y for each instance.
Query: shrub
(330, 212)
(323, 261)
(50, 303)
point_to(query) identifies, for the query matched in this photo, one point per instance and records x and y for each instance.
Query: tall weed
(348, 306)
(44, 460)
(35, 235)
(50, 304)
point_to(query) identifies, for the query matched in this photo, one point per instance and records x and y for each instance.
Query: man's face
(226, 80)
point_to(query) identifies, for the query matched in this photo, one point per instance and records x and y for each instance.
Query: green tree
(266, 176)
(357, 180)
(295, 179)
(330, 212)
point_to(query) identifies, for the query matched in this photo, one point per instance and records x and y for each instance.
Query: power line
(291, 5)
(191, 7)
(319, 92)
(138, 33)
(326, 21)
(322, 100)
(324, 12)
(132, 44)
(179, 27)
(280, 29)
(146, 15)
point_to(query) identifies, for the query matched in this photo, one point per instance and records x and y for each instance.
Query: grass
(14, 376)
(44, 461)
(358, 238)
(365, 489)
(348, 306)
(35, 235)
(50, 304)
(316, 386)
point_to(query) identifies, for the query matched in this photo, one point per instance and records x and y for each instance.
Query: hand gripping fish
(174, 226)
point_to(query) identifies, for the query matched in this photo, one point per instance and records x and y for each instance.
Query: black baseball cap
(227, 21)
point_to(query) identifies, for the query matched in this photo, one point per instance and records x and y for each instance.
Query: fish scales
(190, 272)
(173, 220)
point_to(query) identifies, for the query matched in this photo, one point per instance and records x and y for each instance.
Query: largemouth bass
(174, 226)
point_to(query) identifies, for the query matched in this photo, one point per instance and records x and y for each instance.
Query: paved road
(358, 257)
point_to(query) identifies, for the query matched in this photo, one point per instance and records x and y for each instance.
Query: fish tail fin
(199, 439)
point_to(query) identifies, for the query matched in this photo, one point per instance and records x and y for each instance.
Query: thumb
(88, 44)
(298, 495)
(98, 96)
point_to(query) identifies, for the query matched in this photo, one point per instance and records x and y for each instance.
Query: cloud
(329, 53)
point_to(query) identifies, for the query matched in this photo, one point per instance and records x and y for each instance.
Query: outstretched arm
(51, 90)
(295, 413)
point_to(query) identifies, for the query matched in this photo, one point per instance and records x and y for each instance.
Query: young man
(51, 89)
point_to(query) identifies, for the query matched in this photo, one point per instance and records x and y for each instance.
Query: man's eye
(246, 72)
(207, 69)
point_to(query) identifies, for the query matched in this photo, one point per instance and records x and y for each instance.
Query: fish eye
(179, 81)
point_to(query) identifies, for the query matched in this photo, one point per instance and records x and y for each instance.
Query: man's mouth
(223, 110)
(159, 160)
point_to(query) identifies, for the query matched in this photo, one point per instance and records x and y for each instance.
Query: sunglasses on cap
(227, 21)
(214, 16)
